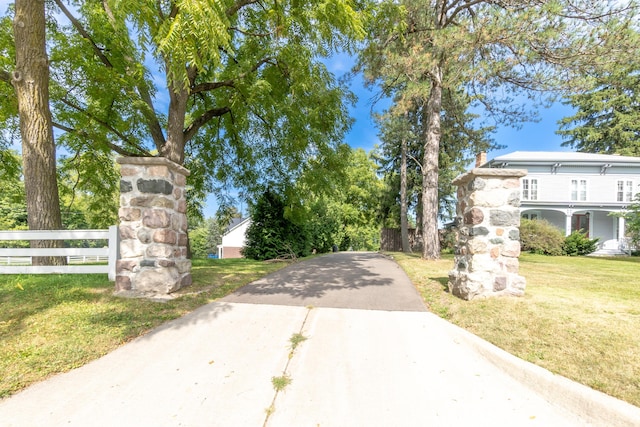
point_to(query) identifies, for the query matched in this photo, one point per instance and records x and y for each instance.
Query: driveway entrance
(363, 280)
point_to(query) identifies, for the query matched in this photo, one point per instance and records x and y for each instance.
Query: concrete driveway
(386, 362)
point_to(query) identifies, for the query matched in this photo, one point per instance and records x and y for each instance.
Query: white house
(576, 191)
(234, 239)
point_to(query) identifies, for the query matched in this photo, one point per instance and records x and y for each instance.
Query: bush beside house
(539, 236)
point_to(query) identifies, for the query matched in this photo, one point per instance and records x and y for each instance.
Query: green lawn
(580, 316)
(54, 323)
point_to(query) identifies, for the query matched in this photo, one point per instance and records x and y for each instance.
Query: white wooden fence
(110, 252)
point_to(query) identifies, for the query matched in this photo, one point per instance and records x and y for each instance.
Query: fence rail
(626, 245)
(110, 253)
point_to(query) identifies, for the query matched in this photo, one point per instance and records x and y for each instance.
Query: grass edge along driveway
(54, 323)
(579, 318)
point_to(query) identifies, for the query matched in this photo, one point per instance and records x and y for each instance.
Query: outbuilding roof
(235, 223)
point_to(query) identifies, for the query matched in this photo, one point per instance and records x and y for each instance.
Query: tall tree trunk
(174, 147)
(418, 234)
(31, 82)
(430, 240)
(404, 223)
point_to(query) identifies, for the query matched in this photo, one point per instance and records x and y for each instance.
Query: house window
(579, 190)
(625, 191)
(529, 189)
(532, 215)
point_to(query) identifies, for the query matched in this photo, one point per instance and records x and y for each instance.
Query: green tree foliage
(461, 141)
(347, 214)
(205, 236)
(271, 234)
(494, 52)
(577, 243)
(358, 204)
(608, 113)
(632, 218)
(344, 211)
(323, 226)
(81, 208)
(89, 199)
(234, 90)
(539, 236)
(13, 213)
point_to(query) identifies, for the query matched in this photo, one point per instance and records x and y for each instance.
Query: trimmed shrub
(539, 236)
(578, 243)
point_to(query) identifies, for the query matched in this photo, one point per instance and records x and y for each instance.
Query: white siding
(236, 238)
(600, 188)
(603, 226)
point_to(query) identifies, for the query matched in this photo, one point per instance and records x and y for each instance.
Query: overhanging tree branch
(107, 126)
(247, 33)
(78, 26)
(149, 113)
(209, 86)
(239, 5)
(112, 146)
(464, 6)
(192, 129)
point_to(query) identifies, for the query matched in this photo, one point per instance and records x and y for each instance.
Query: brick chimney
(481, 159)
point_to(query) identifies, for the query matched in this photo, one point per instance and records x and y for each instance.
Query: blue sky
(534, 136)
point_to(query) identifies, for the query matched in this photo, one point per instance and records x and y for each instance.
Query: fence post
(114, 251)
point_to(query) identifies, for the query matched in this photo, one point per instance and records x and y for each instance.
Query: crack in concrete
(271, 408)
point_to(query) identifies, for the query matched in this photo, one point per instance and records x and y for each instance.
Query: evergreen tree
(607, 118)
(271, 235)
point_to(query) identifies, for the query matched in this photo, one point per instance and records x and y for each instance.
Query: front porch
(596, 222)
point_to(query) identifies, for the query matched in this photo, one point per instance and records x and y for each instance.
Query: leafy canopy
(233, 89)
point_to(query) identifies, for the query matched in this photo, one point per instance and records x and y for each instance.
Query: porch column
(621, 229)
(567, 225)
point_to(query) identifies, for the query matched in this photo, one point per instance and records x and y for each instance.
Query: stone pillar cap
(153, 161)
(489, 173)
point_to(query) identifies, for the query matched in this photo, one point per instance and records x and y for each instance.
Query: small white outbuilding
(234, 239)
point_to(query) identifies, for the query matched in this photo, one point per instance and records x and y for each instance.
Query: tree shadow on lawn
(316, 277)
(444, 282)
(25, 296)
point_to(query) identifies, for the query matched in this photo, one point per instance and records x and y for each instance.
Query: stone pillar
(486, 258)
(153, 227)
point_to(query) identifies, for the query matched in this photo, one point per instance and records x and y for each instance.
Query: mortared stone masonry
(153, 227)
(488, 247)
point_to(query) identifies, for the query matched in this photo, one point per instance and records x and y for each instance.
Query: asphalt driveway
(360, 280)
